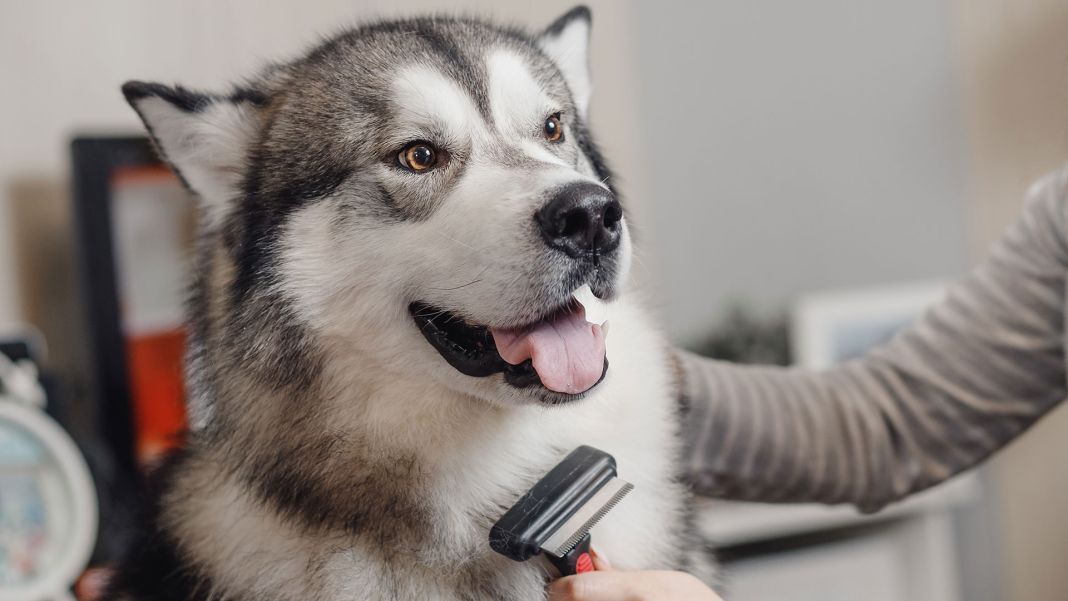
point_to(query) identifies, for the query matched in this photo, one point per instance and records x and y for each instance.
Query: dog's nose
(582, 220)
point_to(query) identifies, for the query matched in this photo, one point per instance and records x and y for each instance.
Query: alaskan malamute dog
(386, 347)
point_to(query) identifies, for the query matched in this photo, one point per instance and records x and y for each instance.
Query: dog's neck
(408, 441)
(400, 472)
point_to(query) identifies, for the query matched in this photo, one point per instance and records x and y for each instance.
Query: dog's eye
(554, 130)
(418, 156)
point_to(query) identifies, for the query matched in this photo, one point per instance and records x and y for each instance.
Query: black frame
(94, 161)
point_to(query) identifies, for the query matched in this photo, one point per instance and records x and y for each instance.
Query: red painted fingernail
(584, 564)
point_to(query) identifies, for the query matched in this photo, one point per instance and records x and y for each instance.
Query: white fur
(426, 97)
(570, 48)
(519, 105)
(207, 146)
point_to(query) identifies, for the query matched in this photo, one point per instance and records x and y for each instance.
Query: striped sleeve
(973, 373)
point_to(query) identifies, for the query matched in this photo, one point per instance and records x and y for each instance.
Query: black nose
(583, 220)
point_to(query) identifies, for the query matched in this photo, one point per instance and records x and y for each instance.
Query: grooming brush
(556, 515)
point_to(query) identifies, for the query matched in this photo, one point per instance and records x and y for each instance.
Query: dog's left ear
(203, 137)
(567, 41)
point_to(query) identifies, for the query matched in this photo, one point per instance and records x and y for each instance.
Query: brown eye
(418, 156)
(554, 130)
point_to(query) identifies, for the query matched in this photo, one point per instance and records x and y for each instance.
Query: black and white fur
(333, 453)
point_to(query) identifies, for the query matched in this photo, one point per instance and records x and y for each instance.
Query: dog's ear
(567, 41)
(204, 138)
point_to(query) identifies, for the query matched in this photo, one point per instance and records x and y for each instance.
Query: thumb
(600, 562)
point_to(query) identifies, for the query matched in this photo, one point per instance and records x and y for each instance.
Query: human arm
(977, 370)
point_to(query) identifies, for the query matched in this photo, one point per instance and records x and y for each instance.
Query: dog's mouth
(562, 351)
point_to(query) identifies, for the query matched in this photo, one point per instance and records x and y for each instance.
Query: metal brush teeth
(570, 543)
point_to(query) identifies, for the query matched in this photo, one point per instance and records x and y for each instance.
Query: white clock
(48, 507)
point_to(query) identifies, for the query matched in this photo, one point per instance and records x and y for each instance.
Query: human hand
(92, 583)
(607, 584)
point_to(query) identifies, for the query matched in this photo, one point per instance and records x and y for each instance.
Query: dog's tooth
(596, 309)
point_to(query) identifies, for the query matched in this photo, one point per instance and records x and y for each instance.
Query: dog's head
(424, 193)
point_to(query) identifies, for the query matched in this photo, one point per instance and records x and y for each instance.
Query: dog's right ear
(204, 138)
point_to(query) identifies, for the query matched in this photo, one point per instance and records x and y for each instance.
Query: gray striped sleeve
(974, 372)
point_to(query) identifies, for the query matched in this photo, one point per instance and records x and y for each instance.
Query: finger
(92, 584)
(592, 586)
(600, 562)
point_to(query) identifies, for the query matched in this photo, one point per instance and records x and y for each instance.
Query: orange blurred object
(155, 364)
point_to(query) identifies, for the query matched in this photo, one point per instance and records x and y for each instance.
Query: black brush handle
(575, 561)
(523, 530)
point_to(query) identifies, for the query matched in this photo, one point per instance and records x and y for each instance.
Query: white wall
(797, 146)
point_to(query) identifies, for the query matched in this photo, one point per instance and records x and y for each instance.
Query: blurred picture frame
(133, 221)
(833, 326)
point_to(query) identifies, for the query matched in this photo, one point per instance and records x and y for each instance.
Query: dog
(401, 236)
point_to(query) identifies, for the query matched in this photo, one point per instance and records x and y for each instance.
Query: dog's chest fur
(237, 546)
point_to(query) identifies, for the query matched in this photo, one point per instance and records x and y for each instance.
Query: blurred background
(792, 169)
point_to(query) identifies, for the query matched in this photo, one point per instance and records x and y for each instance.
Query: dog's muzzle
(556, 347)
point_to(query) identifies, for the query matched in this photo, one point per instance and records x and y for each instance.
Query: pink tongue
(567, 351)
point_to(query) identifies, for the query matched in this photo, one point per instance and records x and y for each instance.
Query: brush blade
(575, 528)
